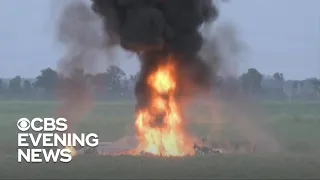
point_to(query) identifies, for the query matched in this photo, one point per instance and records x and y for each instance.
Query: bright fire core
(159, 126)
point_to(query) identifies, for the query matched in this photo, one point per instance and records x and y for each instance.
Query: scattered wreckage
(203, 150)
(199, 149)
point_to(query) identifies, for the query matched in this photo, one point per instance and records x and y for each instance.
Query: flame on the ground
(159, 126)
(73, 151)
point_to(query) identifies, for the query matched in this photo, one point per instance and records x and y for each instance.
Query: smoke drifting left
(79, 33)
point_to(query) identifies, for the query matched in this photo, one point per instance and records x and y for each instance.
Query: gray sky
(282, 35)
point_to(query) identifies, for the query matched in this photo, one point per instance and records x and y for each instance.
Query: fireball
(159, 126)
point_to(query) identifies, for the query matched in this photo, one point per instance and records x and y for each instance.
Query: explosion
(159, 126)
(165, 36)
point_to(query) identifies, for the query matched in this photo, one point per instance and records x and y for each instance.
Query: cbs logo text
(50, 132)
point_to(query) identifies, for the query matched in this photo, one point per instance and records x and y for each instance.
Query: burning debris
(164, 34)
(124, 146)
(202, 150)
(199, 149)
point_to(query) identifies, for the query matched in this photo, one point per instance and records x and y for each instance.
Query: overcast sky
(281, 35)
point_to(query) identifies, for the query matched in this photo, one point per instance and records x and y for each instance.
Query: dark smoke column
(155, 29)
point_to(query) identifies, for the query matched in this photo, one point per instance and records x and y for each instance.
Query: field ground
(294, 126)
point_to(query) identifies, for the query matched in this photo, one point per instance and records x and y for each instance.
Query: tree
(251, 80)
(116, 73)
(295, 84)
(278, 76)
(15, 84)
(316, 85)
(301, 84)
(115, 77)
(1, 84)
(47, 80)
(295, 87)
(27, 86)
(134, 77)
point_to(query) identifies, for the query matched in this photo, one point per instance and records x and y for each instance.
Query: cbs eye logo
(23, 124)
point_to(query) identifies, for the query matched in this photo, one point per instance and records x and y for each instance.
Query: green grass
(295, 126)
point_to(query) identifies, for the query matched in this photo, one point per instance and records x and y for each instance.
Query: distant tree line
(115, 84)
(254, 84)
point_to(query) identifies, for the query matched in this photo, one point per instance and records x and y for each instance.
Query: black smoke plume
(155, 29)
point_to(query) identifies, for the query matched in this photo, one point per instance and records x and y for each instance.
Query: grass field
(295, 126)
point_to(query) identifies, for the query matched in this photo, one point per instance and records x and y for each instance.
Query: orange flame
(159, 126)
